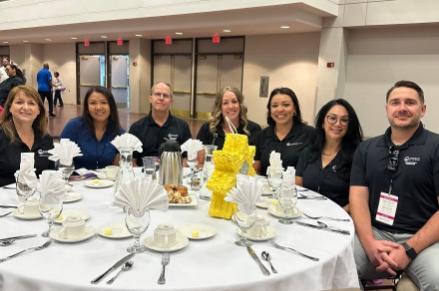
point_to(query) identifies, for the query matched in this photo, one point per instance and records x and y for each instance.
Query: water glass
(287, 201)
(66, 171)
(24, 190)
(208, 160)
(244, 221)
(150, 164)
(51, 206)
(136, 222)
(275, 181)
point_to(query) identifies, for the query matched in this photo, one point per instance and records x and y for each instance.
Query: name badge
(387, 208)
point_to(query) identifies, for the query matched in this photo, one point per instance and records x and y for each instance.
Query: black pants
(57, 96)
(47, 95)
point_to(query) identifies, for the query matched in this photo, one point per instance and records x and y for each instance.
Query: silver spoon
(126, 267)
(266, 257)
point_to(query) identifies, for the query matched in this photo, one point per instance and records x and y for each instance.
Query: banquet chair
(405, 284)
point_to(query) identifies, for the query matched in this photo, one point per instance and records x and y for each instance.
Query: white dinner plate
(23, 216)
(118, 231)
(99, 183)
(265, 202)
(271, 233)
(181, 243)
(72, 197)
(277, 212)
(57, 235)
(197, 231)
(72, 212)
(193, 203)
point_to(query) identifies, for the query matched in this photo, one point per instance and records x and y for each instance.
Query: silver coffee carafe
(171, 168)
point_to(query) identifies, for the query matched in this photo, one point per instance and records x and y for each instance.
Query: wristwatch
(411, 253)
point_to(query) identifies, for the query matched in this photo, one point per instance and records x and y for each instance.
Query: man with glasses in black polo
(159, 124)
(394, 194)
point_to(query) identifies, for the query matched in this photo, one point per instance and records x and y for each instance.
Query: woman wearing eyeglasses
(325, 166)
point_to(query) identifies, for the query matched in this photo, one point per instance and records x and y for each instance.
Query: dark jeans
(47, 95)
(57, 96)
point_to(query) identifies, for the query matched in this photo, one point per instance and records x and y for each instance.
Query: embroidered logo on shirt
(290, 144)
(411, 161)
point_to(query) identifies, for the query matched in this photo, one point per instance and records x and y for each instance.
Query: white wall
(378, 57)
(290, 60)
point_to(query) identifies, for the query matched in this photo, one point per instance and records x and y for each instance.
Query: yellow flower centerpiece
(235, 157)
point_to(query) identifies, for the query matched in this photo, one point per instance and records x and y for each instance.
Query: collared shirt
(290, 148)
(10, 155)
(152, 135)
(44, 79)
(331, 181)
(96, 154)
(218, 138)
(3, 74)
(7, 85)
(415, 181)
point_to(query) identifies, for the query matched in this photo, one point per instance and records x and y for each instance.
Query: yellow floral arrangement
(235, 157)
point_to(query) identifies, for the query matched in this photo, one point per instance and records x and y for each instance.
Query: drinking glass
(150, 166)
(137, 222)
(66, 171)
(51, 206)
(244, 221)
(275, 181)
(208, 160)
(287, 202)
(24, 190)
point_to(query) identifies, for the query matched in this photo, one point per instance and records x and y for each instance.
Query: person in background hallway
(394, 194)
(286, 133)
(3, 74)
(159, 124)
(44, 79)
(325, 166)
(95, 129)
(228, 103)
(15, 78)
(23, 128)
(58, 87)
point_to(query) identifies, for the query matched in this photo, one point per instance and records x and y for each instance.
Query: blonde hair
(7, 123)
(217, 118)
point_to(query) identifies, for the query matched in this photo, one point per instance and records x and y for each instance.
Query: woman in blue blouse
(95, 129)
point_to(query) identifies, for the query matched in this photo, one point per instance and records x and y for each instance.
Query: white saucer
(193, 203)
(23, 216)
(99, 183)
(72, 212)
(72, 197)
(119, 231)
(57, 235)
(275, 211)
(265, 202)
(271, 233)
(204, 231)
(181, 243)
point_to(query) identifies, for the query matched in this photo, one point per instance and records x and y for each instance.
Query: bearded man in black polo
(394, 194)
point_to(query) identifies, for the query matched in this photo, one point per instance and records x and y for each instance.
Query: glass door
(119, 66)
(91, 72)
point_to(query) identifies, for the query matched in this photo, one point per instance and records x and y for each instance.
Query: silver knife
(37, 248)
(112, 268)
(7, 206)
(327, 228)
(17, 237)
(258, 261)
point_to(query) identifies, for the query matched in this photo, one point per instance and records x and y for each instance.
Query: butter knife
(7, 206)
(112, 268)
(37, 248)
(327, 228)
(17, 237)
(258, 261)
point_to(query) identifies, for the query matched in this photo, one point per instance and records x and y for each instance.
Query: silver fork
(37, 248)
(325, 217)
(165, 261)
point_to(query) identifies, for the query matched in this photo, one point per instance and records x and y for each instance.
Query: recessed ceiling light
(138, 35)
(227, 30)
(47, 39)
(285, 27)
(104, 36)
(25, 41)
(179, 33)
(6, 42)
(74, 38)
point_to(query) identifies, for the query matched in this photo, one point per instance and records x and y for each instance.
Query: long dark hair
(297, 117)
(113, 125)
(352, 138)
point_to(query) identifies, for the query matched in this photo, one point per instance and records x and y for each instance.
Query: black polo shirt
(10, 156)
(331, 181)
(415, 182)
(290, 148)
(207, 137)
(152, 135)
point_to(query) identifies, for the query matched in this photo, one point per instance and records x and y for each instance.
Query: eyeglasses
(332, 119)
(392, 163)
(162, 95)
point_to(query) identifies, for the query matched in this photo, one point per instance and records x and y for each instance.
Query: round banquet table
(212, 264)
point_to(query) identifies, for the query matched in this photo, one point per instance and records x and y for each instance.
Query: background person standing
(44, 79)
(58, 87)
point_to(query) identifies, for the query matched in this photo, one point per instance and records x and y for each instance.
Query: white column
(140, 74)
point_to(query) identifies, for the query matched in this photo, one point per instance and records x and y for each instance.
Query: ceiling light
(227, 30)
(6, 42)
(138, 35)
(47, 39)
(179, 33)
(25, 41)
(104, 36)
(74, 38)
(285, 27)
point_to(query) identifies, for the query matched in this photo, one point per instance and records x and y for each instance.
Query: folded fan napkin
(192, 146)
(52, 183)
(246, 193)
(289, 176)
(127, 140)
(140, 194)
(65, 151)
(275, 163)
(26, 173)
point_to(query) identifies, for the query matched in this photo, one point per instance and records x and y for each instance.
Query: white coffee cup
(73, 226)
(260, 228)
(165, 235)
(31, 208)
(111, 172)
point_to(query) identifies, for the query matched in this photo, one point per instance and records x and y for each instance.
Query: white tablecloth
(212, 264)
